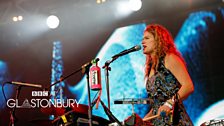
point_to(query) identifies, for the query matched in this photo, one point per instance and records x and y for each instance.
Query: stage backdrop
(199, 39)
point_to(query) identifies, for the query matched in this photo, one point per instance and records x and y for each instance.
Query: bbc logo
(39, 93)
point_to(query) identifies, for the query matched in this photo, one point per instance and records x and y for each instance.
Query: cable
(4, 91)
(94, 100)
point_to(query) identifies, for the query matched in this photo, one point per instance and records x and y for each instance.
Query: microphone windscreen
(138, 47)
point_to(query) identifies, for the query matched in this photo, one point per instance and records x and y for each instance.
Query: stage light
(20, 18)
(135, 5)
(52, 21)
(100, 1)
(15, 19)
(123, 9)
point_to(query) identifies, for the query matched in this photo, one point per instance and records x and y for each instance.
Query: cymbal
(58, 111)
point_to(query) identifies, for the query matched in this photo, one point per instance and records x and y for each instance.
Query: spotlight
(100, 1)
(52, 21)
(20, 18)
(135, 5)
(15, 19)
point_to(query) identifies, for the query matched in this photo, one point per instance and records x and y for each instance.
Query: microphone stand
(89, 98)
(107, 69)
(84, 69)
(108, 112)
(13, 118)
(63, 78)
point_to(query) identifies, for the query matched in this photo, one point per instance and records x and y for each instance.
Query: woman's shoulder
(172, 56)
(173, 60)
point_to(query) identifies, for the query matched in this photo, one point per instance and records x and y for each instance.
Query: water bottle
(95, 76)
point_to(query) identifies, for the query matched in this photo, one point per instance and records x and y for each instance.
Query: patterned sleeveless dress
(163, 86)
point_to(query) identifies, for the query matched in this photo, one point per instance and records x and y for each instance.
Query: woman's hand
(149, 114)
(164, 108)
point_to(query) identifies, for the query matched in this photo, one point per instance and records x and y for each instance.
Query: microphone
(26, 84)
(134, 48)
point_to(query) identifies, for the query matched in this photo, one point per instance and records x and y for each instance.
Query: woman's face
(148, 43)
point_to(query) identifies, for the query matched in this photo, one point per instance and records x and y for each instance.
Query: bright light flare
(127, 7)
(15, 19)
(20, 18)
(123, 9)
(135, 5)
(52, 21)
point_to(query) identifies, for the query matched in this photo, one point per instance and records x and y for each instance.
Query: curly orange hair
(164, 45)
